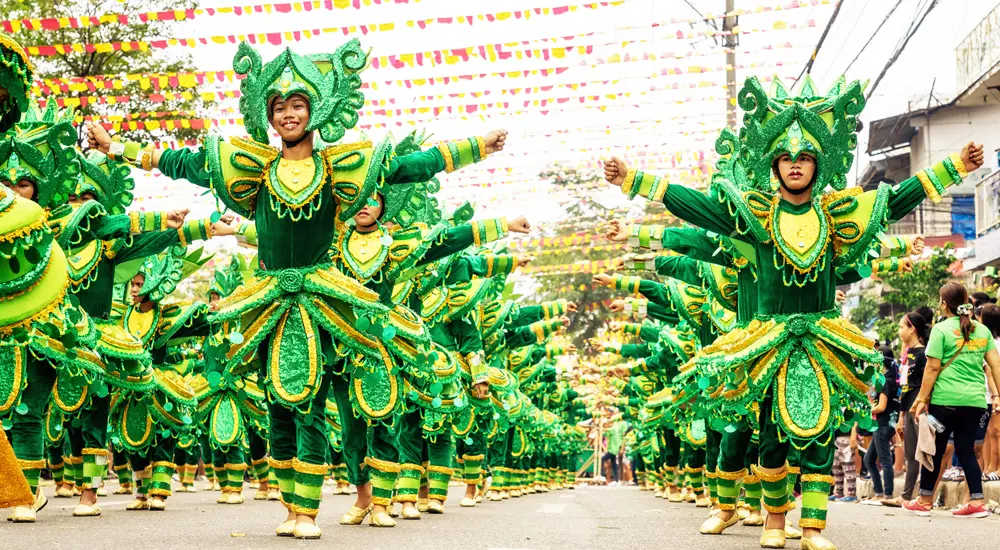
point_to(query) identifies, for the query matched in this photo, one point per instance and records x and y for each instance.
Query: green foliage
(921, 287)
(115, 62)
(586, 215)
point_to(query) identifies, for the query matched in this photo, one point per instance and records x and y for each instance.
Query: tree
(921, 287)
(586, 214)
(116, 62)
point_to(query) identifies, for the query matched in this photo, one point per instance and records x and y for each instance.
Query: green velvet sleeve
(467, 336)
(635, 351)
(185, 164)
(110, 227)
(147, 244)
(662, 313)
(928, 183)
(537, 355)
(527, 315)
(519, 337)
(699, 209)
(415, 167)
(454, 241)
(695, 244)
(678, 267)
(649, 333)
(655, 292)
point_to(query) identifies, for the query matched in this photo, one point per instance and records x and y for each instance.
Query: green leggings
(27, 435)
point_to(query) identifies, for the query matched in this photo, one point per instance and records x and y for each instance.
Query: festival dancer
(790, 149)
(303, 317)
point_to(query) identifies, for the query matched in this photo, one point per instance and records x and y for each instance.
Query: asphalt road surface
(587, 517)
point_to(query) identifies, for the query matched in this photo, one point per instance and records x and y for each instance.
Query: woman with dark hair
(913, 333)
(883, 405)
(953, 393)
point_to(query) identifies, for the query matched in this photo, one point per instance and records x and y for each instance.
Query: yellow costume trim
(810, 523)
(301, 510)
(629, 181)
(34, 464)
(306, 468)
(276, 354)
(794, 470)
(449, 163)
(94, 452)
(414, 467)
(956, 161)
(438, 469)
(929, 189)
(817, 477)
(771, 476)
(236, 467)
(280, 464)
(382, 465)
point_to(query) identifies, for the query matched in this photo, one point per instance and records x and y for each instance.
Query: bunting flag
(452, 56)
(197, 79)
(56, 23)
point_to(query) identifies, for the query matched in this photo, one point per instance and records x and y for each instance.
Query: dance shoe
(754, 519)
(381, 519)
(124, 489)
(816, 542)
(467, 502)
(355, 515)
(410, 512)
(791, 532)
(138, 504)
(716, 525)
(422, 504)
(772, 538)
(235, 498)
(304, 530)
(286, 529)
(157, 504)
(435, 507)
(86, 511)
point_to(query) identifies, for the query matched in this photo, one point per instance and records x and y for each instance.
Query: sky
(667, 125)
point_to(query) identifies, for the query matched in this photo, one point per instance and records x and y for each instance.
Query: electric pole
(731, 40)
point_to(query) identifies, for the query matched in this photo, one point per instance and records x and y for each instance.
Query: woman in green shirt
(955, 395)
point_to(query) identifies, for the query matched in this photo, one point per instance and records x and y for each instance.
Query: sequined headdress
(329, 81)
(111, 182)
(41, 149)
(163, 273)
(16, 74)
(776, 123)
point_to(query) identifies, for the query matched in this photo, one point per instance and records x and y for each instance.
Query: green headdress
(822, 124)
(329, 81)
(110, 181)
(165, 271)
(16, 75)
(230, 277)
(415, 203)
(41, 149)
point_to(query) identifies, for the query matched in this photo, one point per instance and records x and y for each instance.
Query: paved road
(588, 517)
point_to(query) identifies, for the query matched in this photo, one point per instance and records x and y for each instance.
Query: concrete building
(903, 144)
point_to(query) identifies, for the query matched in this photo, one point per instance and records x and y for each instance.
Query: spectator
(883, 406)
(990, 316)
(953, 393)
(913, 332)
(844, 469)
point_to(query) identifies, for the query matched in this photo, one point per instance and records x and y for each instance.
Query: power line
(822, 38)
(899, 50)
(872, 37)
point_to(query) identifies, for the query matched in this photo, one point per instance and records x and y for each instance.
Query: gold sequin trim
(306, 468)
(817, 477)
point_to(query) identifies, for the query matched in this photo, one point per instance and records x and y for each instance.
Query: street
(587, 517)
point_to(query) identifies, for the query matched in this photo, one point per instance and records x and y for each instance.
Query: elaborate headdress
(163, 272)
(824, 125)
(111, 182)
(329, 81)
(15, 82)
(41, 149)
(415, 203)
(229, 278)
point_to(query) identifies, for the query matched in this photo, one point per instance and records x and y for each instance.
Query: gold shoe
(22, 514)
(791, 532)
(286, 529)
(674, 497)
(223, 498)
(529, 490)
(64, 492)
(393, 511)
(235, 498)
(124, 489)
(422, 504)
(772, 538)
(157, 504)
(743, 513)
(216, 486)
(355, 515)
(381, 519)
(716, 525)
(273, 494)
(435, 507)
(479, 499)
(702, 502)
(208, 486)
(817, 542)
(102, 492)
(467, 502)
(494, 496)
(40, 500)
(754, 519)
(304, 530)
(516, 493)
(77, 491)
(410, 512)
(657, 493)
(138, 504)
(260, 494)
(86, 511)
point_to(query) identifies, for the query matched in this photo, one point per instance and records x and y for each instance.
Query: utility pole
(731, 40)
